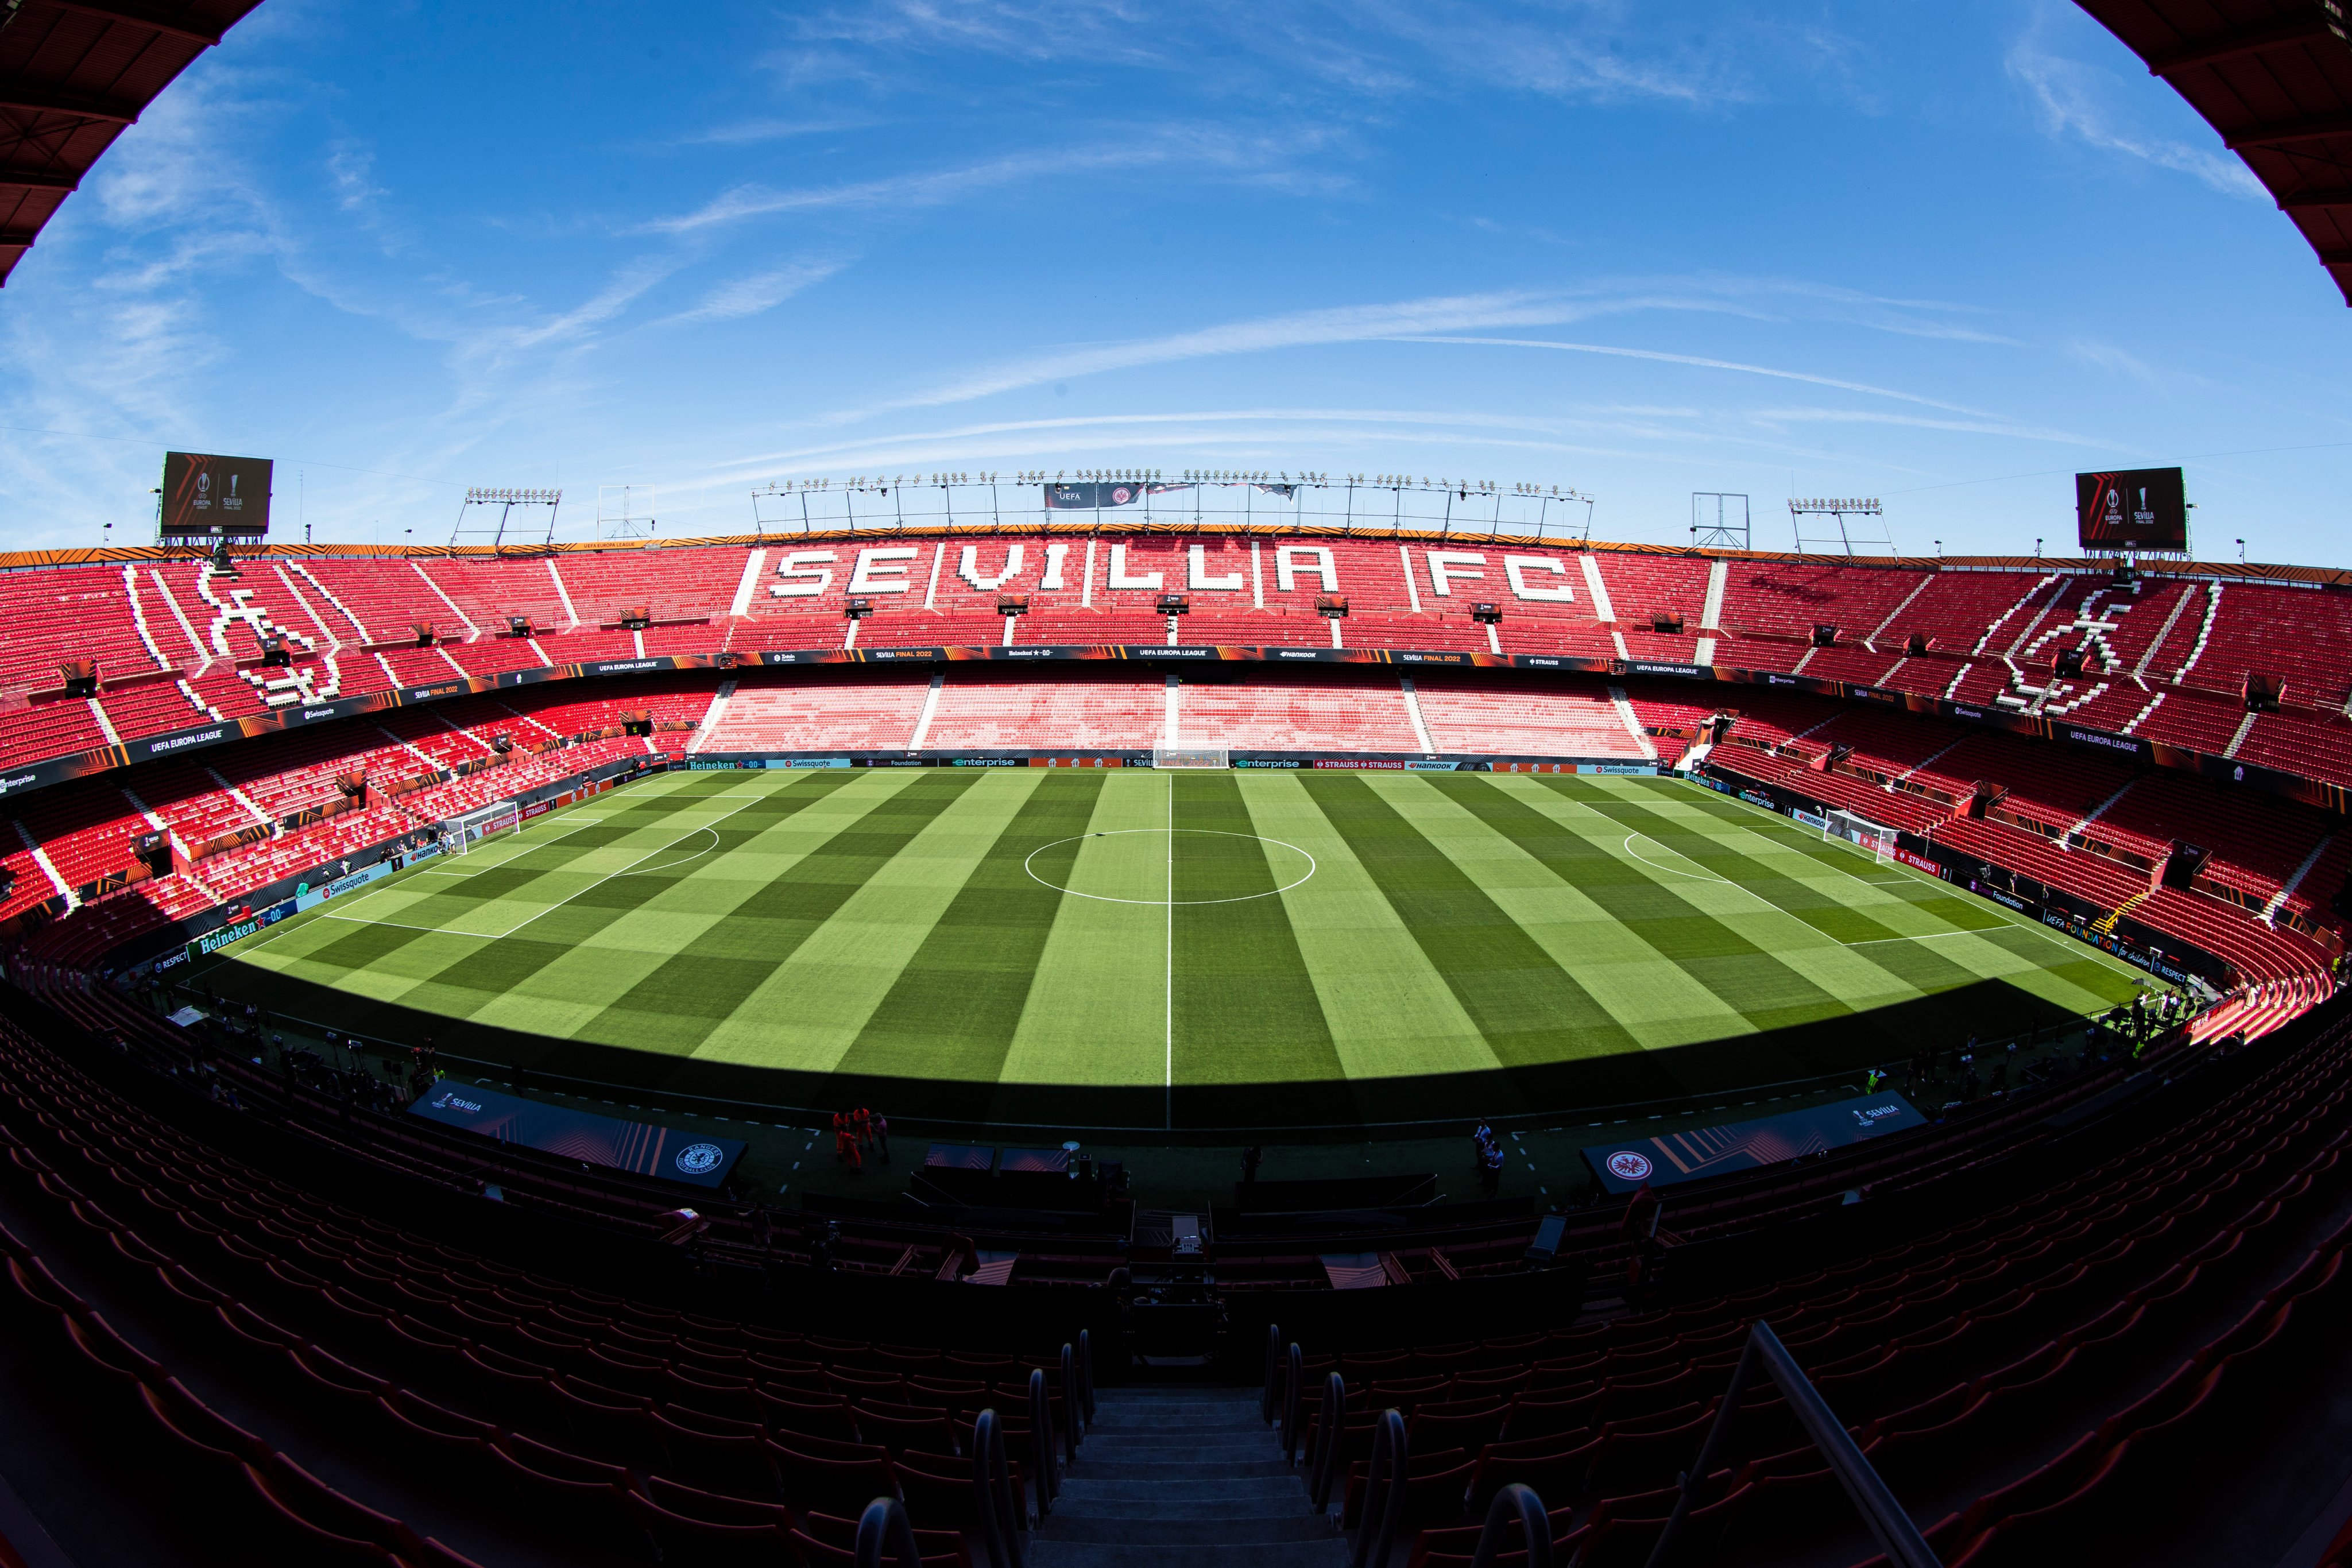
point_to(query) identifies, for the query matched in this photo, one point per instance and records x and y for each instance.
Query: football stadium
(1416, 1034)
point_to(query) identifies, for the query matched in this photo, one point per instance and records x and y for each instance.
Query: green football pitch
(1181, 950)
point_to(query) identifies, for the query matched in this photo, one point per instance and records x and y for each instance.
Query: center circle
(1147, 866)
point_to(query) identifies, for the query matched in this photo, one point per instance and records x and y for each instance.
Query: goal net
(1188, 757)
(460, 833)
(1875, 837)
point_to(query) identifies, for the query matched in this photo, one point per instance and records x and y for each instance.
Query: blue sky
(1946, 256)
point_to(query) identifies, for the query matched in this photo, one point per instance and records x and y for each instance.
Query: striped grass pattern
(1125, 948)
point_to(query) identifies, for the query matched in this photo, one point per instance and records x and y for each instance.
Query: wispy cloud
(1703, 363)
(2083, 102)
(751, 132)
(2107, 357)
(1445, 319)
(755, 295)
(1195, 151)
(2008, 429)
(1343, 324)
(1717, 54)
(1277, 436)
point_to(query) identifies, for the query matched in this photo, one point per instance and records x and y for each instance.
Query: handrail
(1330, 1427)
(1765, 1356)
(1520, 1499)
(1272, 1355)
(1072, 1408)
(884, 1525)
(1385, 1501)
(1001, 1516)
(1041, 1440)
(1294, 1372)
(1087, 1373)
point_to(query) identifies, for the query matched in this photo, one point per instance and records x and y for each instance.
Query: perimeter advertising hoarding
(638, 1147)
(206, 495)
(1705, 1152)
(2132, 508)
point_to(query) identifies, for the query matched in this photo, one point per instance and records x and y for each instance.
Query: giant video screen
(206, 495)
(2132, 508)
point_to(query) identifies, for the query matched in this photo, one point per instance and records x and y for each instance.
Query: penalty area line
(2005, 917)
(671, 843)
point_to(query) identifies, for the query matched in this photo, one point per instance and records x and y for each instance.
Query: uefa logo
(699, 1159)
(1627, 1165)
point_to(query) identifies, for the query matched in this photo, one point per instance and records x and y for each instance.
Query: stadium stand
(1283, 710)
(2167, 658)
(820, 709)
(2029, 1336)
(1121, 708)
(1538, 718)
(178, 645)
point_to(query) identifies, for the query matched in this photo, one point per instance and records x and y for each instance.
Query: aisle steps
(1187, 1476)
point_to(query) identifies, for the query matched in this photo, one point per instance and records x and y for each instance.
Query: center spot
(1160, 866)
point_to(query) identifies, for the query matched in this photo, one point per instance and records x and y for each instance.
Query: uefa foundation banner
(638, 1147)
(1736, 1146)
(1095, 495)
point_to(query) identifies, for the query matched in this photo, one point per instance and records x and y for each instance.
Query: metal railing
(1331, 1428)
(1073, 1404)
(1383, 1491)
(1041, 1441)
(1517, 1502)
(884, 1527)
(1273, 1366)
(1766, 1356)
(1294, 1374)
(1003, 1513)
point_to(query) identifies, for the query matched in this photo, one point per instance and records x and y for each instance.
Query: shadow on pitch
(1590, 1089)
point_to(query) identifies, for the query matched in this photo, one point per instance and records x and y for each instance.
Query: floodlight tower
(1848, 535)
(506, 501)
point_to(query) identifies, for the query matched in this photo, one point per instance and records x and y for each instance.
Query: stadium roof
(73, 74)
(2274, 77)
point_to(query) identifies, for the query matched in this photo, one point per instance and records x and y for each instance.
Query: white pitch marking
(1168, 978)
(501, 936)
(671, 865)
(1312, 866)
(1694, 875)
(633, 865)
(2080, 949)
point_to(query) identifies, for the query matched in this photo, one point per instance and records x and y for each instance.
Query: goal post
(1190, 757)
(460, 833)
(1875, 837)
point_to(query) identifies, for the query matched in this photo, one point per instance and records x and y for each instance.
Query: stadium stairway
(1188, 1475)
